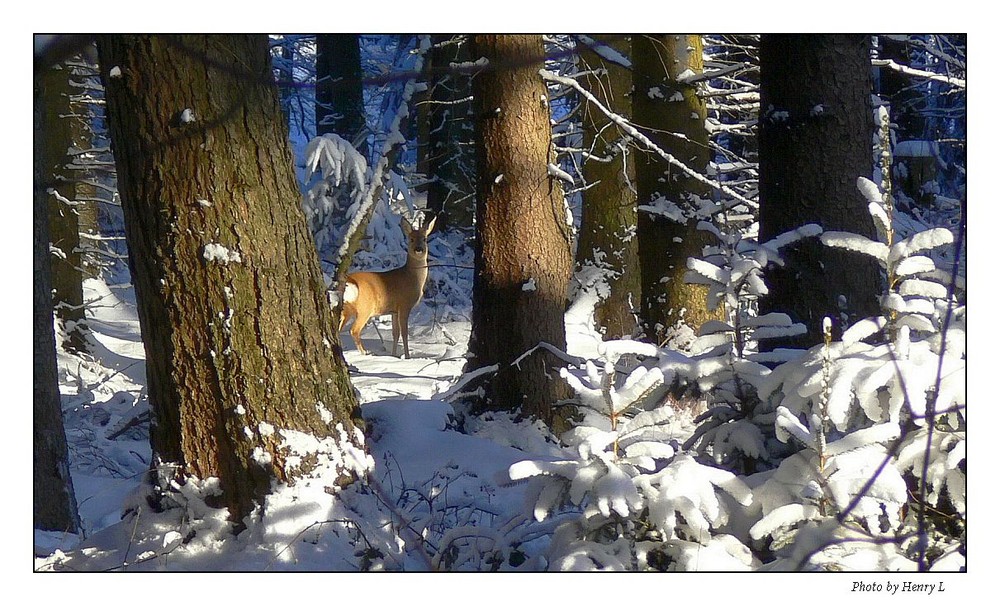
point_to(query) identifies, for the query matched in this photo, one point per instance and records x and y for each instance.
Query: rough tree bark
(54, 502)
(241, 348)
(815, 141)
(668, 105)
(523, 258)
(608, 238)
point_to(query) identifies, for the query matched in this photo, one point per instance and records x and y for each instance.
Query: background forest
(692, 302)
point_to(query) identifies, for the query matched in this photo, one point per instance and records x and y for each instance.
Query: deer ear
(430, 225)
(407, 228)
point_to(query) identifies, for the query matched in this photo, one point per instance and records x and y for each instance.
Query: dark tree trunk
(65, 132)
(54, 503)
(815, 141)
(240, 343)
(675, 116)
(340, 104)
(608, 238)
(446, 146)
(523, 242)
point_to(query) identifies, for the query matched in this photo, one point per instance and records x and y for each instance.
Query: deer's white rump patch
(351, 292)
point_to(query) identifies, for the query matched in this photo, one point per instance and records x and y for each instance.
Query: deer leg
(346, 313)
(404, 321)
(359, 323)
(395, 331)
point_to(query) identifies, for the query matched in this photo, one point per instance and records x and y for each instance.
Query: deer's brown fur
(371, 294)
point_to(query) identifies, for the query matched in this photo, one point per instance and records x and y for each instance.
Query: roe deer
(371, 294)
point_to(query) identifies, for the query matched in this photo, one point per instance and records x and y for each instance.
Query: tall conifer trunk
(340, 103)
(65, 132)
(241, 349)
(608, 238)
(522, 251)
(445, 134)
(53, 500)
(665, 102)
(815, 141)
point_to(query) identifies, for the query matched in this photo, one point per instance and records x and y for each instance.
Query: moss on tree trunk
(608, 238)
(669, 106)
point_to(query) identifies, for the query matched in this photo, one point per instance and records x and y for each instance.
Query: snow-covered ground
(440, 477)
(454, 491)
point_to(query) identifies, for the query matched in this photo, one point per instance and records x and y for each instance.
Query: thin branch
(932, 396)
(633, 133)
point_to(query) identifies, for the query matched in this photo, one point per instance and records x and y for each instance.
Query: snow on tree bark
(240, 343)
(608, 237)
(668, 105)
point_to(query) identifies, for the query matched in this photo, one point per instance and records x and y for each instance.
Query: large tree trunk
(340, 104)
(815, 141)
(65, 131)
(240, 344)
(522, 249)
(608, 239)
(54, 503)
(669, 106)
(445, 134)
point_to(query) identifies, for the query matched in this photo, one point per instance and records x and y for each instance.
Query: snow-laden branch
(634, 133)
(355, 231)
(555, 171)
(464, 380)
(453, 102)
(693, 78)
(929, 48)
(909, 71)
(562, 355)
(467, 66)
(604, 51)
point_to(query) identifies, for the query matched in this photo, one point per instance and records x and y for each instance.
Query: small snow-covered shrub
(637, 503)
(339, 178)
(449, 522)
(727, 367)
(839, 432)
(859, 409)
